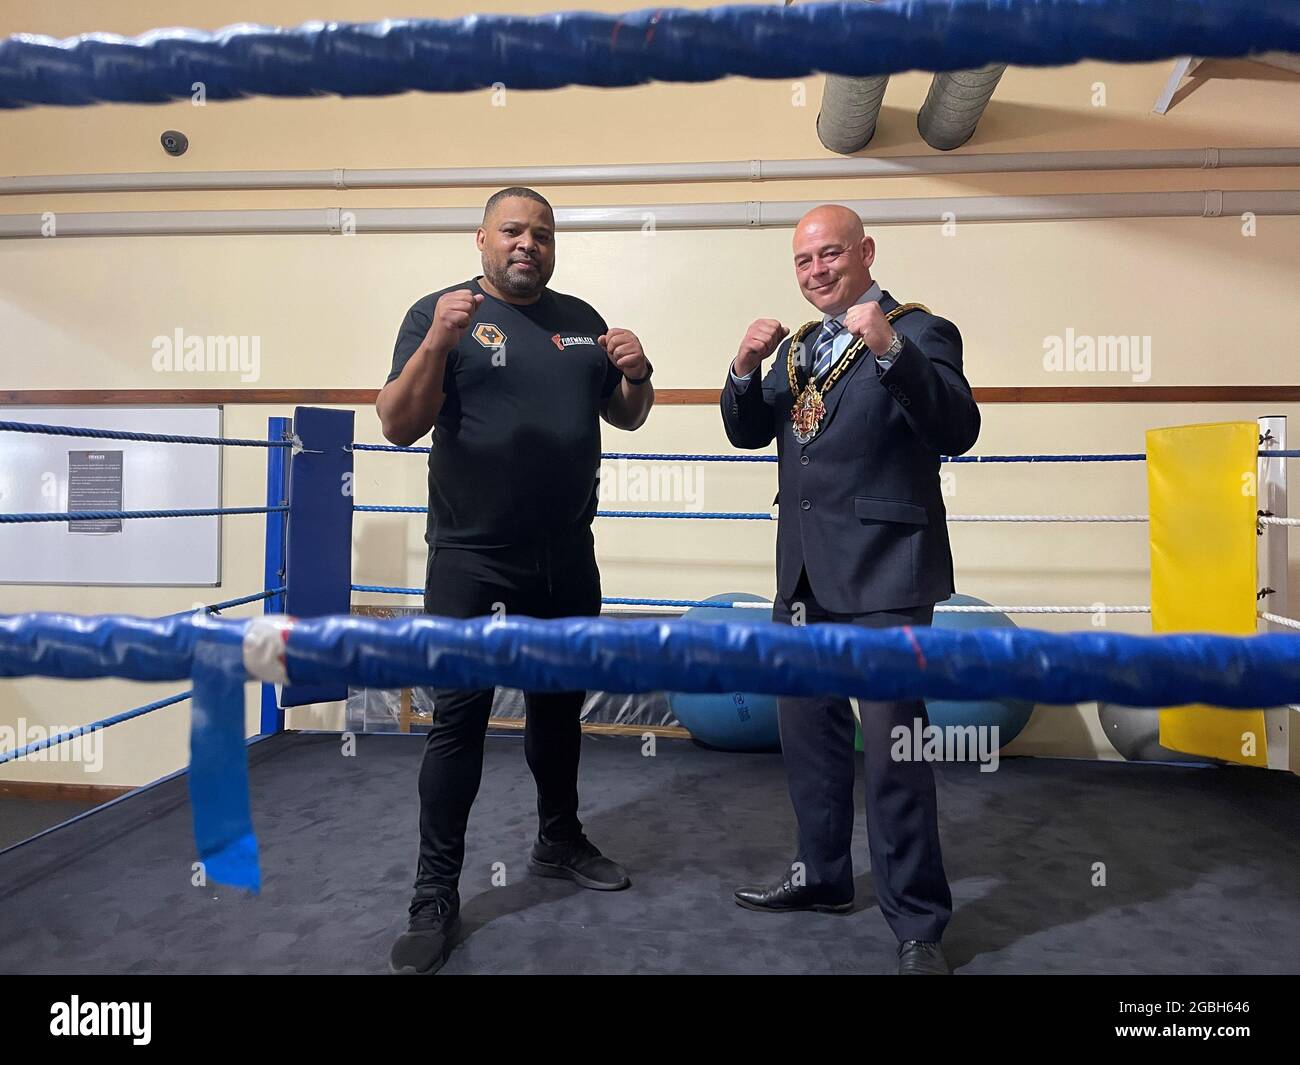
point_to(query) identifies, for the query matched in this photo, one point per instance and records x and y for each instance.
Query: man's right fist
(451, 317)
(761, 339)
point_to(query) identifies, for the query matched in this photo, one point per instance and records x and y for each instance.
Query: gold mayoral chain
(810, 402)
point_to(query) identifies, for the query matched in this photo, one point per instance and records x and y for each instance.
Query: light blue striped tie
(824, 353)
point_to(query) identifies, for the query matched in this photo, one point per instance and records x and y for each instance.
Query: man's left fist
(624, 351)
(867, 320)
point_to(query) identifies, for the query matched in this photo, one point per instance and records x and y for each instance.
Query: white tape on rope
(264, 641)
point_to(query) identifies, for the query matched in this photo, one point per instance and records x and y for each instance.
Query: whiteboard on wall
(47, 474)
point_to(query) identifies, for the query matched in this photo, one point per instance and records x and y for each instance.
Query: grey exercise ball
(1134, 731)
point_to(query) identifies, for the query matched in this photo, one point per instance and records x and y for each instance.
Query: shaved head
(832, 258)
(833, 220)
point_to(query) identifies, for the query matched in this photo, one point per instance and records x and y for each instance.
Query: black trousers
(548, 579)
(902, 813)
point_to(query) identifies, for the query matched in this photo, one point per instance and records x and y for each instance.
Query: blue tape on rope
(223, 816)
(662, 44)
(642, 656)
(637, 655)
(79, 648)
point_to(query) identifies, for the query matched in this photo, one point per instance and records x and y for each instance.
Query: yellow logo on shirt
(489, 335)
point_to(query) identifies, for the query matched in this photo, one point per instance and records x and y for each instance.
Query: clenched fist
(624, 351)
(868, 321)
(451, 317)
(761, 339)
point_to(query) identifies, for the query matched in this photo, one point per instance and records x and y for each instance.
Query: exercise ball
(1134, 731)
(728, 721)
(1009, 715)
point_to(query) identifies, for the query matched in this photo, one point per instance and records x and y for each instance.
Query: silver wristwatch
(895, 346)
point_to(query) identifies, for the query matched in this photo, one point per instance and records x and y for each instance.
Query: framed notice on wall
(42, 474)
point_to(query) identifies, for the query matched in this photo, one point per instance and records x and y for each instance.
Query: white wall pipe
(740, 215)
(656, 173)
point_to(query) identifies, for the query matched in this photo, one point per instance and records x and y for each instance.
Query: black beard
(513, 285)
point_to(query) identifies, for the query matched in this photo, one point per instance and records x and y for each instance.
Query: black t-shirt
(516, 446)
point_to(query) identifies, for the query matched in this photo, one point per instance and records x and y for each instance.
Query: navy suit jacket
(860, 504)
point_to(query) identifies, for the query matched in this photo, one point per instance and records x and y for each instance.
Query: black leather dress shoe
(579, 861)
(787, 898)
(921, 959)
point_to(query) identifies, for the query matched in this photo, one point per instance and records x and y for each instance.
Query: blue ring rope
(651, 457)
(216, 608)
(386, 589)
(628, 601)
(664, 44)
(392, 448)
(63, 737)
(639, 655)
(703, 514)
(706, 514)
(114, 515)
(118, 434)
(669, 457)
(256, 597)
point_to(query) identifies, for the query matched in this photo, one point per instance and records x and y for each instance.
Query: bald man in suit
(871, 397)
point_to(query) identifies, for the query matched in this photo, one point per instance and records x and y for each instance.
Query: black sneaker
(423, 947)
(578, 860)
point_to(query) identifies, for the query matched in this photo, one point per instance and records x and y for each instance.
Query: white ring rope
(1097, 609)
(1050, 517)
(1278, 521)
(1277, 619)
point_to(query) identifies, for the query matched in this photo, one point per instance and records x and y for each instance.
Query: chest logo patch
(489, 335)
(568, 342)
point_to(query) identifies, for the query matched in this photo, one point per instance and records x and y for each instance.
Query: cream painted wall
(81, 313)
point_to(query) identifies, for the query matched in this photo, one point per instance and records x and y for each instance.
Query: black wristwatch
(641, 380)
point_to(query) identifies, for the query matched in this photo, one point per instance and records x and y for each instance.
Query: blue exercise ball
(729, 721)
(1009, 715)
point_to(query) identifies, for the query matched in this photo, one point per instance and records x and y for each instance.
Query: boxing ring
(308, 649)
(313, 651)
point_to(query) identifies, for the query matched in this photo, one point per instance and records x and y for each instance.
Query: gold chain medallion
(809, 406)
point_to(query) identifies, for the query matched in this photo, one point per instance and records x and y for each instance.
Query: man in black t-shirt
(512, 378)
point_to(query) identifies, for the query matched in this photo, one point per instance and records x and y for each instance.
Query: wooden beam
(670, 397)
(48, 792)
